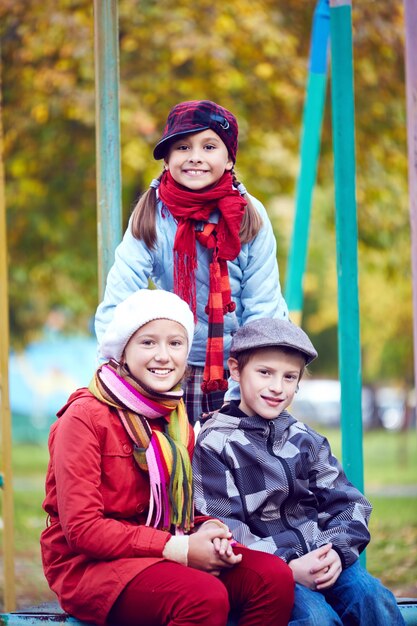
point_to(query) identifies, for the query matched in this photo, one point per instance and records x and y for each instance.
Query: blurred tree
(49, 149)
(249, 55)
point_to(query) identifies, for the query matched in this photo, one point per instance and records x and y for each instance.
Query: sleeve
(77, 467)
(198, 519)
(217, 495)
(261, 290)
(261, 294)
(343, 510)
(133, 265)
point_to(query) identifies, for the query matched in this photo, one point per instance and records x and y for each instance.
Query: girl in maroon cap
(198, 233)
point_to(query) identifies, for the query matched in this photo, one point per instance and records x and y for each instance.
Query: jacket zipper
(290, 483)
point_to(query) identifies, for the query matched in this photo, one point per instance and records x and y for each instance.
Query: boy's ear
(233, 369)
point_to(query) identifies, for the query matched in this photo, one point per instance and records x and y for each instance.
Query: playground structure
(332, 26)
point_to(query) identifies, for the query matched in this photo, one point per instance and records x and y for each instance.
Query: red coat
(97, 500)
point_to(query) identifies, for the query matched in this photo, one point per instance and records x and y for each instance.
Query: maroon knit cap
(195, 116)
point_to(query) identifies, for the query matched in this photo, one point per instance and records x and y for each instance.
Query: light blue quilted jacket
(254, 279)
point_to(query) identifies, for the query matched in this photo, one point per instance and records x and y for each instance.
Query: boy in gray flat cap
(275, 482)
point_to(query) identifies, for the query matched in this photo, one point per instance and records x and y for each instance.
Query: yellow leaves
(180, 56)
(134, 157)
(252, 57)
(225, 24)
(142, 123)
(17, 167)
(231, 80)
(378, 109)
(264, 70)
(129, 44)
(386, 321)
(369, 72)
(30, 188)
(40, 113)
(277, 154)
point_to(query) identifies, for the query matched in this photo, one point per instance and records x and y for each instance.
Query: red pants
(260, 589)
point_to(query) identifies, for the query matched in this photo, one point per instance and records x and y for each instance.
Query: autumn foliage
(252, 57)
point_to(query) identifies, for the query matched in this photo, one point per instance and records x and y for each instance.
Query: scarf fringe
(184, 282)
(164, 455)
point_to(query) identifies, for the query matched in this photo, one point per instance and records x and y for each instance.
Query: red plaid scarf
(189, 207)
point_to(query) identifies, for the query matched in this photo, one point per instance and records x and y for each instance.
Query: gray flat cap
(265, 332)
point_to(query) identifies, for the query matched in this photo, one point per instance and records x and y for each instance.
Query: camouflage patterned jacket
(278, 486)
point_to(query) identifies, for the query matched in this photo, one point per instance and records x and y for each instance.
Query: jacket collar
(232, 418)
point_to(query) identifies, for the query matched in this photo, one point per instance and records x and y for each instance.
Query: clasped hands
(210, 549)
(318, 569)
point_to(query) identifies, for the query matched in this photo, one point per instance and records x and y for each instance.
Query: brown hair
(144, 222)
(252, 221)
(143, 217)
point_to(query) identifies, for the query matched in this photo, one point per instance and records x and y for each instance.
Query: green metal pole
(346, 238)
(309, 155)
(109, 204)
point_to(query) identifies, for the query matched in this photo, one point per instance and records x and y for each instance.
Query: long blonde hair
(144, 218)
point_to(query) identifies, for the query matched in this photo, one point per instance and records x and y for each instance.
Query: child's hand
(320, 561)
(329, 570)
(223, 546)
(209, 549)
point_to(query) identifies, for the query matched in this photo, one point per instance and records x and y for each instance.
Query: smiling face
(268, 381)
(157, 354)
(198, 160)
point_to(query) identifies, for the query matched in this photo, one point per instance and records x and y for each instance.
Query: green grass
(29, 469)
(392, 553)
(390, 459)
(30, 460)
(390, 462)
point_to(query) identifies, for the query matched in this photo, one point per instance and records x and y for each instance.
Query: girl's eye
(147, 342)
(264, 372)
(210, 147)
(177, 343)
(182, 147)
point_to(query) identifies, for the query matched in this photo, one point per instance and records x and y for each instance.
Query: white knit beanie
(138, 309)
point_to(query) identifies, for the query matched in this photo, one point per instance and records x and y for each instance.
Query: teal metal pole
(109, 204)
(411, 89)
(309, 155)
(346, 238)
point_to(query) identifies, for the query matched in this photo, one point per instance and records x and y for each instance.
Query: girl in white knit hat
(121, 544)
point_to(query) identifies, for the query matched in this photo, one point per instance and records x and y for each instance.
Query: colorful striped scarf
(164, 455)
